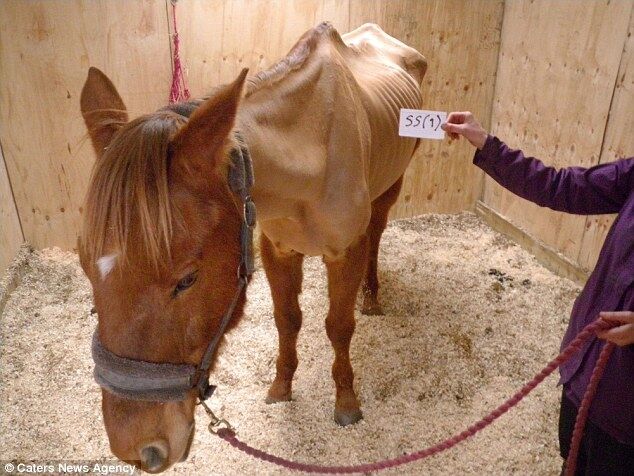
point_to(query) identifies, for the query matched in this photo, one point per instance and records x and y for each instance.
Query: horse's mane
(128, 197)
(295, 58)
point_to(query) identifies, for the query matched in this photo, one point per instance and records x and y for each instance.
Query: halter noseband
(149, 381)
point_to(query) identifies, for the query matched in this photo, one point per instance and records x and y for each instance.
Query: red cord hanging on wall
(178, 91)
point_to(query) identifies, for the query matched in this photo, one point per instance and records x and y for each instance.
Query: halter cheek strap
(163, 382)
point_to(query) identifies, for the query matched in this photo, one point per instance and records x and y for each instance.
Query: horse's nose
(154, 457)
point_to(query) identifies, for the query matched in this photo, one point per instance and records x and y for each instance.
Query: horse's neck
(285, 126)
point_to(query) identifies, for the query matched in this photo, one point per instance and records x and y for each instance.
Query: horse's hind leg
(380, 210)
(344, 279)
(284, 273)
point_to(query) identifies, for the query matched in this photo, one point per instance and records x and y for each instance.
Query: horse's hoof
(371, 307)
(279, 392)
(278, 399)
(347, 417)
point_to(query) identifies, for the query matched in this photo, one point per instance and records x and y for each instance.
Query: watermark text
(113, 468)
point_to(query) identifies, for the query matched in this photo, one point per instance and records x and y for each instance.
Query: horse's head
(161, 247)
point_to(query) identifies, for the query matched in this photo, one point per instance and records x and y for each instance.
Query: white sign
(422, 124)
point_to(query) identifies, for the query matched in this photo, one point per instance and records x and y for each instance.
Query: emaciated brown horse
(160, 241)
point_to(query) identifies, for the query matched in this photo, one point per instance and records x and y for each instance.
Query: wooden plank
(546, 255)
(617, 143)
(10, 230)
(260, 32)
(460, 41)
(200, 33)
(219, 38)
(557, 69)
(47, 47)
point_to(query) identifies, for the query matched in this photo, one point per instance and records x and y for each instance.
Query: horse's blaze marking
(105, 265)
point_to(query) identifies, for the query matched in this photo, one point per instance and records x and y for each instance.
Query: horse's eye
(185, 283)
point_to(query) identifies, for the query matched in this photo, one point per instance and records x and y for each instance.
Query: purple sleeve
(603, 188)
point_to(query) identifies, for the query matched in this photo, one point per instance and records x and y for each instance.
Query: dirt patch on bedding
(470, 317)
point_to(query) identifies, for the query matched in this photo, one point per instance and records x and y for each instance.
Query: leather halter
(149, 381)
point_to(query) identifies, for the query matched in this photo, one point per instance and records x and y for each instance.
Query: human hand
(465, 124)
(622, 334)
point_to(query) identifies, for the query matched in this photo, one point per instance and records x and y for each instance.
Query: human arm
(603, 188)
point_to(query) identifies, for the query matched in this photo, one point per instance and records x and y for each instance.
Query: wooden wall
(618, 141)
(564, 93)
(10, 231)
(47, 46)
(553, 77)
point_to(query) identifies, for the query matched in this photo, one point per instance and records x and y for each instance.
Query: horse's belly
(319, 228)
(388, 162)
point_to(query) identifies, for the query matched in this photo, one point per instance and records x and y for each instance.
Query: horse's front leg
(344, 279)
(284, 273)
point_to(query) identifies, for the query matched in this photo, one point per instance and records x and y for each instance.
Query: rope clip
(216, 423)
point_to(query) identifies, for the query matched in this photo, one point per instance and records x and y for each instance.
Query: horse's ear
(204, 134)
(103, 109)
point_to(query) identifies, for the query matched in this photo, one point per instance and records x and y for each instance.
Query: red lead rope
(229, 436)
(582, 415)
